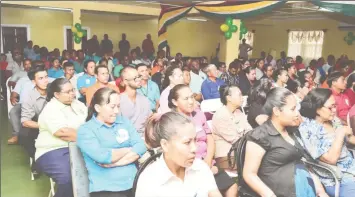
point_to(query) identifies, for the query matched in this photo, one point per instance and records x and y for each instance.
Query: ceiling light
(54, 8)
(196, 19)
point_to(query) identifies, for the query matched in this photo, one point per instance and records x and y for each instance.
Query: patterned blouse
(317, 141)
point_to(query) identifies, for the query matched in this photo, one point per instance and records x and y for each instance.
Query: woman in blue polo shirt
(110, 145)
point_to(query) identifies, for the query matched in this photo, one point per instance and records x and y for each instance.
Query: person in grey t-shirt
(135, 107)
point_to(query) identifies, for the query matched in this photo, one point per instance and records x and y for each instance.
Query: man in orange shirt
(102, 75)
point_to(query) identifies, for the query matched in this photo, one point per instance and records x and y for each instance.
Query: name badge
(87, 81)
(122, 135)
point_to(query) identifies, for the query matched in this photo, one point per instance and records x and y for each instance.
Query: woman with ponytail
(58, 123)
(177, 172)
(110, 145)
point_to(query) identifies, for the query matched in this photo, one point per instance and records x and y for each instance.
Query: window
(249, 37)
(307, 44)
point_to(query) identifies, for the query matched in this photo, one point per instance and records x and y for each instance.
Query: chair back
(79, 172)
(8, 95)
(150, 160)
(211, 105)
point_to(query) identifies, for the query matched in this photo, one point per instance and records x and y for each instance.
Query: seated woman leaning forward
(110, 145)
(273, 164)
(58, 123)
(177, 173)
(325, 139)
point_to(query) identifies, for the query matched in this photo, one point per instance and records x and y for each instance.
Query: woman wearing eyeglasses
(58, 123)
(325, 139)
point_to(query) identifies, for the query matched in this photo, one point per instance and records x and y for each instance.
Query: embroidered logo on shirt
(122, 135)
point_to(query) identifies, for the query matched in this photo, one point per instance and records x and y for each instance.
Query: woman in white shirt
(177, 173)
(58, 123)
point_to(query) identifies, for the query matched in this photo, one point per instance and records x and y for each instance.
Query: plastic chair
(8, 91)
(150, 160)
(51, 191)
(79, 172)
(211, 105)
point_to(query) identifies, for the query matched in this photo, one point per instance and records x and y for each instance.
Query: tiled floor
(15, 170)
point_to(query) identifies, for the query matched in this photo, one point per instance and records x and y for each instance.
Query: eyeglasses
(69, 91)
(137, 78)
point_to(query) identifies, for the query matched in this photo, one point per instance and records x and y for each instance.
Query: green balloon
(84, 33)
(229, 21)
(78, 26)
(77, 40)
(233, 28)
(350, 34)
(228, 34)
(350, 42)
(244, 30)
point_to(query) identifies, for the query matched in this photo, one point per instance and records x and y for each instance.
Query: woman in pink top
(181, 99)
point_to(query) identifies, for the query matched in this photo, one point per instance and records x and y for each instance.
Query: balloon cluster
(350, 38)
(228, 28)
(78, 33)
(243, 30)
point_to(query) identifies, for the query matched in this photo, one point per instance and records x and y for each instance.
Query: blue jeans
(56, 165)
(346, 190)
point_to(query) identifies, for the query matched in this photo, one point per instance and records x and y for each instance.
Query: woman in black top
(256, 100)
(273, 164)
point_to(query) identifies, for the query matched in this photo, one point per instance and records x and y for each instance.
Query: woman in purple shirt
(181, 99)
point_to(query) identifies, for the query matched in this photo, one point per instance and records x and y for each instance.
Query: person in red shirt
(337, 84)
(299, 65)
(350, 89)
(3, 62)
(148, 46)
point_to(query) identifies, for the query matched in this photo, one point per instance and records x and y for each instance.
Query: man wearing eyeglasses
(135, 107)
(69, 73)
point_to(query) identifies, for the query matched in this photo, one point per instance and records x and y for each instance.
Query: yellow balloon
(74, 30)
(80, 34)
(224, 28)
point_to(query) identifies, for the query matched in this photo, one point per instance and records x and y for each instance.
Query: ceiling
(154, 4)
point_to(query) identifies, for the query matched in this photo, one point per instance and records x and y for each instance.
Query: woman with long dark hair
(110, 145)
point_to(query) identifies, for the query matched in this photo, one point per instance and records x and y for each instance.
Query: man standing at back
(106, 44)
(124, 46)
(148, 46)
(135, 107)
(244, 48)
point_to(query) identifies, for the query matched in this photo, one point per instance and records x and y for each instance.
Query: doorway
(14, 34)
(69, 38)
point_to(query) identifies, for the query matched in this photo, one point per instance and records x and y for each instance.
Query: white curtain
(307, 44)
(249, 37)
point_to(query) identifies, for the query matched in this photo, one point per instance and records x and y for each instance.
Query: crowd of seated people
(118, 105)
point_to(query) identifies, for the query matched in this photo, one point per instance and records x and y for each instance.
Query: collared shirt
(351, 95)
(317, 141)
(164, 107)
(92, 89)
(158, 181)
(96, 141)
(92, 57)
(23, 86)
(137, 112)
(243, 50)
(79, 67)
(15, 77)
(227, 129)
(30, 53)
(152, 92)
(230, 79)
(278, 166)
(85, 81)
(55, 73)
(202, 130)
(196, 82)
(14, 67)
(32, 106)
(55, 116)
(210, 89)
(343, 104)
